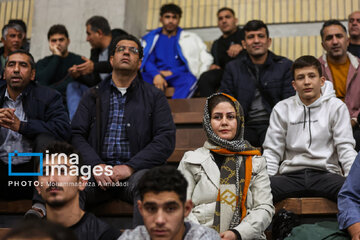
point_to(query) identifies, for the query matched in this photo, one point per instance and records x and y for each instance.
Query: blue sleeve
(150, 66)
(349, 197)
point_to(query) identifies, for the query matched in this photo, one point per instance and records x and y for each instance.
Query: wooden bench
(308, 205)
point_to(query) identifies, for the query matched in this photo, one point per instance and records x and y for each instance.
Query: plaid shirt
(116, 149)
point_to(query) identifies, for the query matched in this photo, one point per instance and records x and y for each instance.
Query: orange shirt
(339, 73)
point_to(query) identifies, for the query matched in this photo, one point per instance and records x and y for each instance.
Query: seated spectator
(342, 69)
(349, 202)
(354, 32)
(30, 116)
(258, 79)
(12, 39)
(39, 230)
(173, 57)
(309, 137)
(25, 41)
(228, 181)
(52, 70)
(95, 69)
(223, 50)
(126, 123)
(163, 206)
(60, 189)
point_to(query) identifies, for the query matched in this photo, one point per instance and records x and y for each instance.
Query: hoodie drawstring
(309, 124)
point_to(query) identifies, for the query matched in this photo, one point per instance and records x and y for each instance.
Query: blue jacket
(150, 39)
(349, 197)
(45, 111)
(275, 80)
(150, 127)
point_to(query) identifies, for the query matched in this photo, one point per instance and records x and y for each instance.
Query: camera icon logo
(17, 154)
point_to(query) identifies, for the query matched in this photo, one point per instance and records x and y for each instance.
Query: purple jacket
(352, 97)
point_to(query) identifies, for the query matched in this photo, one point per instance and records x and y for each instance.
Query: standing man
(12, 39)
(258, 79)
(354, 32)
(223, 50)
(173, 57)
(60, 189)
(342, 68)
(164, 208)
(53, 71)
(123, 122)
(29, 115)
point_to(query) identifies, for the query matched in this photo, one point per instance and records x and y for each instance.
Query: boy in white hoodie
(309, 146)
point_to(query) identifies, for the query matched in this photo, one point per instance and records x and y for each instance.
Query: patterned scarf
(235, 172)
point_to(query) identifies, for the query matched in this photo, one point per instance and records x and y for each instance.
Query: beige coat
(203, 176)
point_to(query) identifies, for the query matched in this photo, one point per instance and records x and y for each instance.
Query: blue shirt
(165, 57)
(116, 149)
(11, 140)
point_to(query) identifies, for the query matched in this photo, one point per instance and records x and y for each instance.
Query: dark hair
(117, 32)
(60, 147)
(172, 8)
(99, 22)
(214, 101)
(329, 23)
(36, 229)
(126, 37)
(57, 29)
(225, 9)
(19, 22)
(306, 61)
(6, 28)
(163, 179)
(255, 25)
(22, 51)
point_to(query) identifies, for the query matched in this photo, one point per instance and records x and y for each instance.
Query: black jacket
(45, 111)
(149, 124)
(274, 80)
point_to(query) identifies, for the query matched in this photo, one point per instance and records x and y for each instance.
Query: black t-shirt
(225, 43)
(91, 228)
(354, 49)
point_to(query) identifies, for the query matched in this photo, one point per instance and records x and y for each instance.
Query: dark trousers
(129, 192)
(306, 183)
(255, 133)
(209, 82)
(356, 132)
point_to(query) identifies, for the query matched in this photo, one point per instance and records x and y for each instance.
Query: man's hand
(102, 180)
(166, 73)
(228, 235)
(9, 120)
(353, 123)
(74, 73)
(214, 66)
(54, 49)
(160, 82)
(354, 231)
(86, 67)
(121, 172)
(234, 50)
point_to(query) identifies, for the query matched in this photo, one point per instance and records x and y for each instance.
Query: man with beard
(342, 69)
(173, 57)
(29, 116)
(60, 189)
(258, 79)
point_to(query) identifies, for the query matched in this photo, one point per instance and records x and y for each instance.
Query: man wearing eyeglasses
(354, 32)
(123, 124)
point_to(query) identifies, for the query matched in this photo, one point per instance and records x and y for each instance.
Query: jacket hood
(327, 92)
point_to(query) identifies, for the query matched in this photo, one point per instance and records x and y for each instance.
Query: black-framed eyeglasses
(121, 49)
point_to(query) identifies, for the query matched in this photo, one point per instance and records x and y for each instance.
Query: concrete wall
(129, 15)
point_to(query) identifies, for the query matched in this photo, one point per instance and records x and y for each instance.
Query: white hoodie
(318, 136)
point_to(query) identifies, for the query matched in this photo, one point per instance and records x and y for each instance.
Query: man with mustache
(342, 68)
(30, 115)
(12, 39)
(354, 33)
(164, 207)
(60, 190)
(173, 57)
(258, 79)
